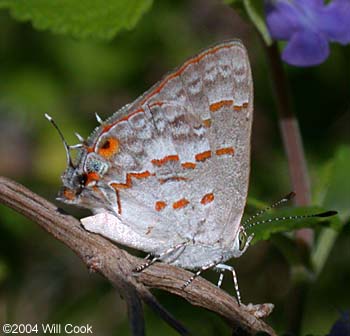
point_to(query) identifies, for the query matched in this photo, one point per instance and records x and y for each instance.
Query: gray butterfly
(168, 174)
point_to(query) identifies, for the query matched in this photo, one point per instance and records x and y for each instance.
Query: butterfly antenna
(276, 219)
(66, 146)
(98, 118)
(285, 199)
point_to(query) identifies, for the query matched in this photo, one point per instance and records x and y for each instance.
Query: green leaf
(323, 247)
(80, 19)
(256, 204)
(254, 11)
(266, 225)
(336, 197)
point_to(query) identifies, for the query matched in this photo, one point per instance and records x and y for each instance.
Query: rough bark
(102, 256)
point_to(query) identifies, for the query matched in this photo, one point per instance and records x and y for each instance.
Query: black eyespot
(106, 145)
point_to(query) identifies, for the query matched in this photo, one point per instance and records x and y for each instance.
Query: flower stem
(291, 138)
(299, 180)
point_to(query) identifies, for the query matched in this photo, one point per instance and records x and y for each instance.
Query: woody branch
(116, 265)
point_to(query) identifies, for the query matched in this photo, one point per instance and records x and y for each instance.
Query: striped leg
(150, 262)
(148, 256)
(221, 278)
(223, 267)
(204, 268)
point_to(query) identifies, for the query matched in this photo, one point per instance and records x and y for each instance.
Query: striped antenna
(66, 146)
(274, 205)
(276, 219)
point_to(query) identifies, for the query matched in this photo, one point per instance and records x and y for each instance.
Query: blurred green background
(41, 281)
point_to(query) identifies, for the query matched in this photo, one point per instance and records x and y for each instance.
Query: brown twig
(135, 312)
(100, 255)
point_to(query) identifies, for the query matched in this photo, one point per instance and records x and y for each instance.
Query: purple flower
(308, 26)
(341, 326)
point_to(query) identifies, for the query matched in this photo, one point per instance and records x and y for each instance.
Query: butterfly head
(83, 183)
(82, 180)
(74, 185)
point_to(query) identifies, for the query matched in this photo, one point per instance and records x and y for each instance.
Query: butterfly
(168, 174)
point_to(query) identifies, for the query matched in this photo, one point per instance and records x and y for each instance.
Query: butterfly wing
(178, 157)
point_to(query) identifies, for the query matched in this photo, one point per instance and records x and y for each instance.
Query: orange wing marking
(208, 198)
(160, 205)
(240, 107)
(207, 123)
(118, 202)
(225, 151)
(180, 203)
(218, 105)
(108, 127)
(161, 162)
(183, 68)
(203, 156)
(165, 81)
(188, 165)
(109, 147)
(128, 183)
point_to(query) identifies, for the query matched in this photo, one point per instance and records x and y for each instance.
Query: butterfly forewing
(178, 157)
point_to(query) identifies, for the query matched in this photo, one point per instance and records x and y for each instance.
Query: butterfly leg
(198, 273)
(150, 262)
(247, 244)
(221, 278)
(148, 256)
(222, 268)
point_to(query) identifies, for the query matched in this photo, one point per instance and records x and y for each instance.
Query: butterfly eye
(242, 240)
(95, 165)
(82, 180)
